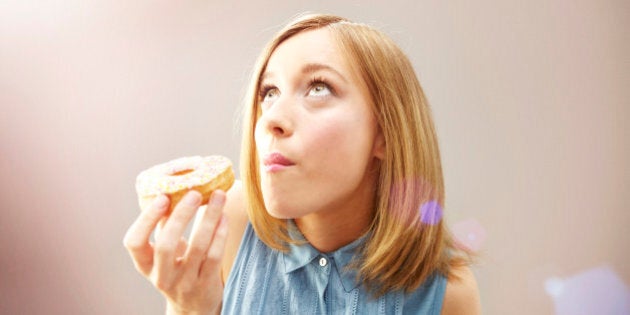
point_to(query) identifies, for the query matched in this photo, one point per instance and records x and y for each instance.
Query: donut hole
(182, 172)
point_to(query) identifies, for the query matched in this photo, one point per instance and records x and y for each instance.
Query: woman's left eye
(319, 89)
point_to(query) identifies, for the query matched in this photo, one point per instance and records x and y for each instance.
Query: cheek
(341, 142)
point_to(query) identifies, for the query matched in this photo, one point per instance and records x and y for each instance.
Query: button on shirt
(323, 262)
(305, 281)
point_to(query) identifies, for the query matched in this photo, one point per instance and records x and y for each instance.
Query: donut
(175, 178)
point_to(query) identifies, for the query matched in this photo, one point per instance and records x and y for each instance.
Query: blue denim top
(304, 281)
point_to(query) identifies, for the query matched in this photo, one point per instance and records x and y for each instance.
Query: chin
(279, 215)
(281, 211)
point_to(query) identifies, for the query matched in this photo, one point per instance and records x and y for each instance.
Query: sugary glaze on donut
(180, 174)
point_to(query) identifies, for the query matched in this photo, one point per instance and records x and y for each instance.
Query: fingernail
(192, 199)
(160, 201)
(218, 199)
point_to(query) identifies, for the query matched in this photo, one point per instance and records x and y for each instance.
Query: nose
(277, 120)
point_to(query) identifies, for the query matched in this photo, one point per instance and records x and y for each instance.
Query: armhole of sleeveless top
(440, 291)
(238, 261)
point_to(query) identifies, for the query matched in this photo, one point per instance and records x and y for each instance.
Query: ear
(378, 150)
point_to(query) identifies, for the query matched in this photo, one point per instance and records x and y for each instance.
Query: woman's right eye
(269, 93)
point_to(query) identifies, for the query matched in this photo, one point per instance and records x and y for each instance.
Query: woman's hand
(188, 275)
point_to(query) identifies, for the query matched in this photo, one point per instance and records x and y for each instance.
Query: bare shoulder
(235, 211)
(462, 293)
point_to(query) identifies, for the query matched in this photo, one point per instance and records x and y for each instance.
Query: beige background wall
(530, 100)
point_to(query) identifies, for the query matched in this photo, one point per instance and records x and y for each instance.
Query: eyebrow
(310, 68)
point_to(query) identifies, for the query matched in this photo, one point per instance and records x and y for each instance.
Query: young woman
(340, 205)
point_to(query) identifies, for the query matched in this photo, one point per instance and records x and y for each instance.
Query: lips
(276, 162)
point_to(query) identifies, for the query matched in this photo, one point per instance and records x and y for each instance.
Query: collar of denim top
(299, 255)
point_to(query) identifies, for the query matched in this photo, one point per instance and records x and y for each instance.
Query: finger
(137, 237)
(167, 241)
(211, 266)
(199, 216)
(204, 230)
(160, 226)
(181, 247)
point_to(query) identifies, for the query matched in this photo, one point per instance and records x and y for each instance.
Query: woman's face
(317, 138)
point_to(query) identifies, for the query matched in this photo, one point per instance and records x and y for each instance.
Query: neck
(327, 235)
(338, 225)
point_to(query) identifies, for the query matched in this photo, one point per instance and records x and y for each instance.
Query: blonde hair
(406, 245)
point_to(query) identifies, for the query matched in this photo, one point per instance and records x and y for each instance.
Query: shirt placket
(323, 265)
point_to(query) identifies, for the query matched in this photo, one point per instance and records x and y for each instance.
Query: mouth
(275, 162)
